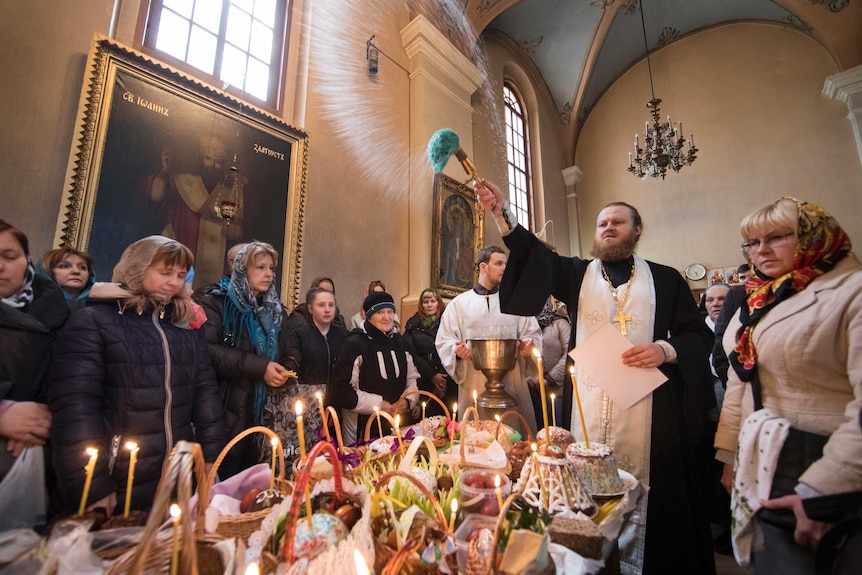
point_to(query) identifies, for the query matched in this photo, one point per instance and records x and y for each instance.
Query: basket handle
(383, 481)
(407, 460)
(397, 561)
(501, 517)
(432, 396)
(338, 438)
(519, 416)
(371, 419)
(461, 443)
(205, 487)
(299, 490)
(176, 476)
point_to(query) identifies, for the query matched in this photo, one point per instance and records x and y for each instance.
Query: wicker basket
(464, 464)
(154, 555)
(516, 463)
(244, 524)
(437, 442)
(405, 559)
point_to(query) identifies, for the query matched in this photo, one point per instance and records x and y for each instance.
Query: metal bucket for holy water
(495, 358)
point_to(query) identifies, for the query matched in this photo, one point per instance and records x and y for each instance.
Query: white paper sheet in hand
(600, 357)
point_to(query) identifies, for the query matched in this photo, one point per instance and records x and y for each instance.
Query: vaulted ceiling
(580, 47)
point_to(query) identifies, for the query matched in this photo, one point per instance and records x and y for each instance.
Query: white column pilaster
(847, 87)
(442, 81)
(571, 176)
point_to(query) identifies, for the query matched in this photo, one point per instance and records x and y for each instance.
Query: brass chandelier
(663, 144)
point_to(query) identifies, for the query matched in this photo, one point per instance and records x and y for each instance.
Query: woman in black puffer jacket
(132, 366)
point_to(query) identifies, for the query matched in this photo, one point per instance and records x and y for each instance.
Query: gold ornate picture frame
(159, 152)
(459, 234)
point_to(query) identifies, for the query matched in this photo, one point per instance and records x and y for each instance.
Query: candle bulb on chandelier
(691, 141)
(630, 159)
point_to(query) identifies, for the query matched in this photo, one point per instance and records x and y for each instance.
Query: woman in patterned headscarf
(419, 334)
(246, 340)
(797, 372)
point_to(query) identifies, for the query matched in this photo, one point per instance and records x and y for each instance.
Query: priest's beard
(615, 249)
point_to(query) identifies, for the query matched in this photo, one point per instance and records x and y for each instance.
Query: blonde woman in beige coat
(799, 340)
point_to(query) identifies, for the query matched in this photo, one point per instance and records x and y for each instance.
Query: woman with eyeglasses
(788, 428)
(72, 270)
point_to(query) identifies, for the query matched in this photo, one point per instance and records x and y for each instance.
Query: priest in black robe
(677, 536)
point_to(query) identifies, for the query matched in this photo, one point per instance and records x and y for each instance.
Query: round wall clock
(695, 272)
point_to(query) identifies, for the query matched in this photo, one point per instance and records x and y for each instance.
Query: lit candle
(175, 549)
(453, 514)
(538, 355)
(554, 409)
(300, 432)
(361, 566)
(475, 401)
(398, 434)
(539, 474)
(252, 569)
(133, 458)
(379, 425)
(452, 426)
(580, 410)
(272, 476)
(498, 492)
(323, 419)
(88, 469)
(423, 417)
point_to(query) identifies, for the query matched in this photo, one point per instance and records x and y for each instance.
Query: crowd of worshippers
(764, 377)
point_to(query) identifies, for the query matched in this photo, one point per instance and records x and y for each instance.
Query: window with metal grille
(517, 159)
(237, 44)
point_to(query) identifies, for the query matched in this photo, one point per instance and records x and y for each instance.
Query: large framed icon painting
(159, 152)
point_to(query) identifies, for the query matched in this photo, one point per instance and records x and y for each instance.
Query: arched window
(236, 43)
(516, 156)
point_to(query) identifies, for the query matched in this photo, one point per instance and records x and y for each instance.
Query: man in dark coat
(674, 535)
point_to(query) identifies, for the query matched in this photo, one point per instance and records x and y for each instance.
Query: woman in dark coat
(133, 366)
(32, 311)
(373, 369)
(419, 335)
(246, 338)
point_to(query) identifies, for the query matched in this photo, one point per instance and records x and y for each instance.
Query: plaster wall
(751, 93)
(543, 124)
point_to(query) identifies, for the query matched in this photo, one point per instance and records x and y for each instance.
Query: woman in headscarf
(133, 366)
(32, 312)
(788, 426)
(72, 270)
(419, 335)
(246, 340)
(556, 331)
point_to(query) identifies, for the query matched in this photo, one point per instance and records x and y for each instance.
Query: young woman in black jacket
(311, 353)
(133, 366)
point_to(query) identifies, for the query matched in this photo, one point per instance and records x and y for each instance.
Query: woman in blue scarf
(72, 270)
(246, 341)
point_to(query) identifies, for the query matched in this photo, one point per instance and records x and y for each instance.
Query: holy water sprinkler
(442, 145)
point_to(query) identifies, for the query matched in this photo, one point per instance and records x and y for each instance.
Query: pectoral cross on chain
(621, 319)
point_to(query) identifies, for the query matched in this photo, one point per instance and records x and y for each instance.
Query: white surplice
(471, 315)
(627, 432)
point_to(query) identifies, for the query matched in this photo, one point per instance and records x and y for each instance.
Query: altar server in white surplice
(475, 314)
